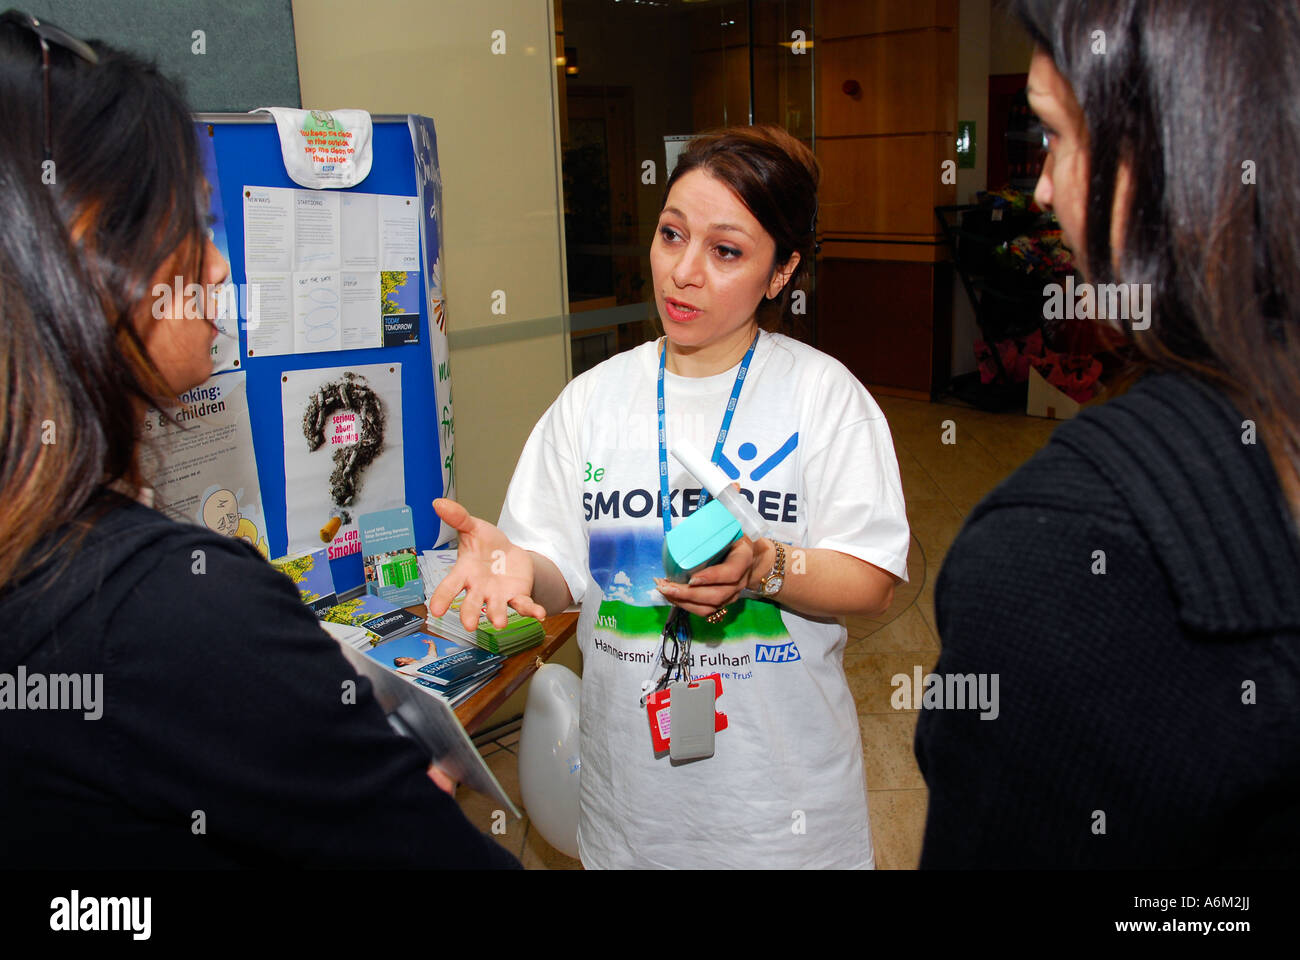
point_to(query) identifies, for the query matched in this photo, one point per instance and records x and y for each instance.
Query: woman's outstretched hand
(489, 568)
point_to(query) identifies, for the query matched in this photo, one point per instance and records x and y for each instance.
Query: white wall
(498, 151)
(1009, 45)
(497, 148)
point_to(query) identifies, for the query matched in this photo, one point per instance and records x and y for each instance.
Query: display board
(354, 411)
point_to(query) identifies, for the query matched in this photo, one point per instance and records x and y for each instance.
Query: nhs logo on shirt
(776, 653)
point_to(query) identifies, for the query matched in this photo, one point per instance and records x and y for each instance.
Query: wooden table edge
(515, 672)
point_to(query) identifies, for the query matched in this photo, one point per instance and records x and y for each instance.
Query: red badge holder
(659, 710)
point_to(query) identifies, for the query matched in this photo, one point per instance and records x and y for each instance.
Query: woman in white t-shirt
(583, 521)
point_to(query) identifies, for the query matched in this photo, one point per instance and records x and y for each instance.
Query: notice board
(393, 387)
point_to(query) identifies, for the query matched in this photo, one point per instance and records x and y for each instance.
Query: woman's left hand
(714, 587)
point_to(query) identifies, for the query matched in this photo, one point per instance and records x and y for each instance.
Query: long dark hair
(776, 177)
(1202, 100)
(81, 242)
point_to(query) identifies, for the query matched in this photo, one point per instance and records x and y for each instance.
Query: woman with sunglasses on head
(1136, 585)
(599, 485)
(215, 727)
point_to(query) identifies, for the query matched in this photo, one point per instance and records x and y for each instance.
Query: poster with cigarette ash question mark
(342, 452)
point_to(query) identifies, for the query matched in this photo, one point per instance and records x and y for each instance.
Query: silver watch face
(773, 585)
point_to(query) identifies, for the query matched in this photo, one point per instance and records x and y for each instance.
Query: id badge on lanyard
(683, 718)
(681, 711)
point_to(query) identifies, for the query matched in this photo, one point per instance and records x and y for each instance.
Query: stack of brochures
(519, 633)
(374, 614)
(446, 673)
(310, 573)
(441, 667)
(434, 567)
(449, 625)
(453, 671)
(358, 638)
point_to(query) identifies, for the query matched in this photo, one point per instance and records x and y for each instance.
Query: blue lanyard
(665, 500)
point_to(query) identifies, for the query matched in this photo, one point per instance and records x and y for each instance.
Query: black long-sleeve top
(1149, 715)
(228, 735)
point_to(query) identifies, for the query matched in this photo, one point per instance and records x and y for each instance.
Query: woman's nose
(216, 272)
(215, 268)
(689, 269)
(1043, 188)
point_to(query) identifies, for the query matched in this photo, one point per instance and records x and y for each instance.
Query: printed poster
(343, 452)
(327, 271)
(201, 461)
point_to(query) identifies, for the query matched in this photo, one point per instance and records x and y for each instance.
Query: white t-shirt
(785, 785)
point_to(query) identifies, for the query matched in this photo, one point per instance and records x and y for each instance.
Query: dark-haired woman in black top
(1136, 585)
(191, 715)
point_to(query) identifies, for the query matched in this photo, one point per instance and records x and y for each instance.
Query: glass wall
(637, 78)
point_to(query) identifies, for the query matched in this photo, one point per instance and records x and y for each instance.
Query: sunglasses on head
(47, 34)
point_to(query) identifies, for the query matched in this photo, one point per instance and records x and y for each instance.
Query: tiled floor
(941, 482)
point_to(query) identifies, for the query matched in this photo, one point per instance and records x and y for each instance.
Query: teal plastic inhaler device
(699, 541)
(704, 538)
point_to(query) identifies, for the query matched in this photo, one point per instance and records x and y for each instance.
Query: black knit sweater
(1148, 715)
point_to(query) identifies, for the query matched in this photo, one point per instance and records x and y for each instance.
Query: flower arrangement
(1042, 255)
(1075, 375)
(1015, 249)
(1016, 354)
(1008, 198)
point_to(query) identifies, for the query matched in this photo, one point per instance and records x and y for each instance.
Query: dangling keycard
(690, 717)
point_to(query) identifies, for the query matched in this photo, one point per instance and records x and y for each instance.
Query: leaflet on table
(416, 655)
(374, 614)
(460, 692)
(434, 567)
(449, 623)
(330, 271)
(459, 666)
(414, 650)
(342, 451)
(310, 573)
(355, 638)
(388, 556)
(449, 669)
(201, 460)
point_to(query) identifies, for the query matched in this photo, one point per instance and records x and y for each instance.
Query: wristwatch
(775, 579)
